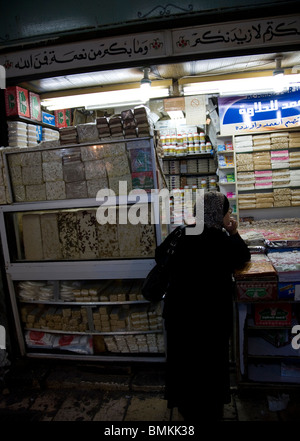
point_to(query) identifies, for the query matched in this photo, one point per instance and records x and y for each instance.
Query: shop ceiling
(205, 70)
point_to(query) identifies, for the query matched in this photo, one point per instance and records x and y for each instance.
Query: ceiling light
(129, 95)
(242, 86)
(278, 76)
(146, 82)
(278, 69)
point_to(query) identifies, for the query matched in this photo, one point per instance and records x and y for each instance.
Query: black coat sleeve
(239, 252)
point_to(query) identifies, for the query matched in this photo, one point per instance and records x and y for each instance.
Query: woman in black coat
(198, 311)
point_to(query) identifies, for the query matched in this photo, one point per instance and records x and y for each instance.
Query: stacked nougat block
(77, 235)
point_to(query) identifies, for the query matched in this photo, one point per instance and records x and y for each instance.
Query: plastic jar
(212, 183)
(202, 137)
(208, 147)
(167, 139)
(184, 138)
(179, 139)
(190, 148)
(173, 138)
(196, 137)
(172, 150)
(203, 183)
(197, 147)
(202, 147)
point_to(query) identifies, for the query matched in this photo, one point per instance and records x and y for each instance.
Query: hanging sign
(248, 114)
(236, 35)
(195, 110)
(141, 47)
(84, 54)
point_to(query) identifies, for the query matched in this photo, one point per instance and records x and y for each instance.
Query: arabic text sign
(88, 53)
(237, 35)
(240, 115)
(153, 45)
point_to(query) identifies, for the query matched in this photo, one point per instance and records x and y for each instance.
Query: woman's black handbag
(156, 283)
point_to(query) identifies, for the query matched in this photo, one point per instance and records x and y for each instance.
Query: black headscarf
(216, 205)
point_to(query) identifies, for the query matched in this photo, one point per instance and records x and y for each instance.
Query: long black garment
(198, 319)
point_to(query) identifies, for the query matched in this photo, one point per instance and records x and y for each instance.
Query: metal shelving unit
(77, 270)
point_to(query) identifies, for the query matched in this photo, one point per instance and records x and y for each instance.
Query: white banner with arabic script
(239, 115)
(84, 54)
(153, 45)
(237, 35)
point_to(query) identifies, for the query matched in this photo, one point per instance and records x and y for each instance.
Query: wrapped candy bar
(87, 133)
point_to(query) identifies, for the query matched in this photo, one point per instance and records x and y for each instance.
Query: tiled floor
(71, 393)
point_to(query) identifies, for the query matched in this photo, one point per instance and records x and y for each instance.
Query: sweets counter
(267, 312)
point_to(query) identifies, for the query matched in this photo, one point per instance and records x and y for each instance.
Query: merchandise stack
(131, 123)
(257, 280)
(68, 135)
(50, 134)
(17, 134)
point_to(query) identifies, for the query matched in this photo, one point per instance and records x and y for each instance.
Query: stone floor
(47, 392)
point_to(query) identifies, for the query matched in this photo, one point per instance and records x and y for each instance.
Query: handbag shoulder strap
(175, 239)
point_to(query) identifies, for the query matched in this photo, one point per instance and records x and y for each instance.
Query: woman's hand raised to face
(230, 224)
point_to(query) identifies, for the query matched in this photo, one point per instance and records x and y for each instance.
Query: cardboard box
(256, 290)
(289, 290)
(47, 118)
(63, 118)
(17, 101)
(35, 106)
(273, 314)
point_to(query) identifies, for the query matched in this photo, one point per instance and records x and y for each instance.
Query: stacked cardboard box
(261, 142)
(294, 140)
(243, 144)
(295, 197)
(279, 140)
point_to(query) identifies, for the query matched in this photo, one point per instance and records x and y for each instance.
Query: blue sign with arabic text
(259, 113)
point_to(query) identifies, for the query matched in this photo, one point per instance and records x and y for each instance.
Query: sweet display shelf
(79, 270)
(31, 121)
(192, 156)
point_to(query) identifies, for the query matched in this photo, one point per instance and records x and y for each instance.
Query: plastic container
(179, 139)
(197, 147)
(202, 137)
(172, 150)
(190, 149)
(173, 138)
(203, 183)
(166, 150)
(184, 138)
(212, 184)
(208, 147)
(190, 138)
